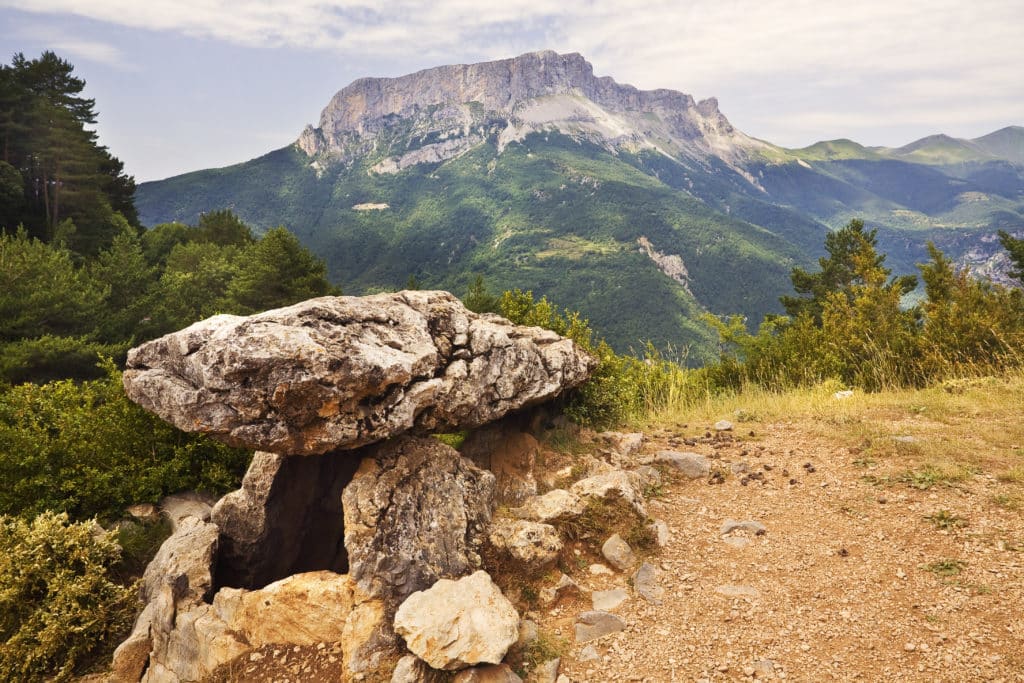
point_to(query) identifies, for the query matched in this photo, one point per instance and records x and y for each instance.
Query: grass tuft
(945, 567)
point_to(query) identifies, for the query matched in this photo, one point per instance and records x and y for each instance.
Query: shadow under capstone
(286, 519)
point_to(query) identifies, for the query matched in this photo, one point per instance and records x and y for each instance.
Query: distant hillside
(1005, 143)
(642, 209)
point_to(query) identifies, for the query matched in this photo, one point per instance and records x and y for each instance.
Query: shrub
(855, 329)
(621, 388)
(85, 449)
(57, 605)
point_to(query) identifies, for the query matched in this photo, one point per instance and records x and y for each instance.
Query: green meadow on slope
(553, 215)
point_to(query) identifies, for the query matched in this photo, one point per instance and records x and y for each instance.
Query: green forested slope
(551, 214)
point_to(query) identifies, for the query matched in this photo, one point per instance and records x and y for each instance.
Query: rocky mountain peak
(440, 113)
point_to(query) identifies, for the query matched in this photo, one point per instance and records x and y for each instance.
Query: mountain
(1005, 143)
(642, 209)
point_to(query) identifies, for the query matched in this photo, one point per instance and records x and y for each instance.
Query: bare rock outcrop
(187, 558)
(415, 512)
(190, 641)
(532, 544)
(342, 372)
(457, 624)
(325, 547)
(448, 110)
(510, 452)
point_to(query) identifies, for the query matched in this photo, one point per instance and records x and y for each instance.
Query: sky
(182, 85)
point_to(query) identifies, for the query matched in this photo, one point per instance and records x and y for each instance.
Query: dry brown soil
(851, 581)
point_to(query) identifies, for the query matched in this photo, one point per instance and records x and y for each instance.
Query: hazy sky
(188, 84)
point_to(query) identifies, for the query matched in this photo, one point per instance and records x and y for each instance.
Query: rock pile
(350, 512)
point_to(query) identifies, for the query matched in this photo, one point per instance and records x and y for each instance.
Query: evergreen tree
(852, 260)
(1015, 250)
(478, 299)
(64, 172)
(42, 291)
(223, 227)
(276, 271)
(128, 278)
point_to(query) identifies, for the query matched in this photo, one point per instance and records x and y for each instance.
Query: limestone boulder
(691, 465)
(557, 505)
(491, 673)
(618, 553)
(188, 559)
(190, 643)
(530, 543)
(454, 625)
(178, 506)
(303, 609)
(595, 624)
(510, 453)
(412, 669)
(285, 519)
(342, 372)
(415, 512)
(611, 486)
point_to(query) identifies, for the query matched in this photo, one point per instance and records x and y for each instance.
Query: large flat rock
(342, 372)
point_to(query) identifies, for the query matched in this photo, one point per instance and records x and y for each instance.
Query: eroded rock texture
(415, 512)
(510, 452)
(342, 372)
(177, 640)
(457, 624)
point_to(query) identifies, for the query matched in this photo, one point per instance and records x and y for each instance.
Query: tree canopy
(58, 165)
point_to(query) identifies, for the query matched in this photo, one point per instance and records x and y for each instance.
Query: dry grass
(918, 437)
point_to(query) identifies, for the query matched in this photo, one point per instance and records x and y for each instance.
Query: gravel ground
(850, 580)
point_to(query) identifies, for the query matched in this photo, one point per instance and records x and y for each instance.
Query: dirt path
(850, 581)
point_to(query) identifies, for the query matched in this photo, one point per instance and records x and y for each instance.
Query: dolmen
(350, 505)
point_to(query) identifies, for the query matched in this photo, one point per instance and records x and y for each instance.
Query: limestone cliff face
(440, 113)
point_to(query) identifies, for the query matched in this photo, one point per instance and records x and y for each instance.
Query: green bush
(853, 327)
(57, 606)
(621, 388)
(49, 358)
(85, 449)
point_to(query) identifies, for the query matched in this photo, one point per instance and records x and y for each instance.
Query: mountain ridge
(642, 209)
(513, 98)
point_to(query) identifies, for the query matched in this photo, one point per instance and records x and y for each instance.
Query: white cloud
(662, 39)
(76, 47)
(916, 57)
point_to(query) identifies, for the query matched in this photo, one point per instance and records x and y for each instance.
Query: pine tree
(1015, 250)
(852, 260)
(276, 271)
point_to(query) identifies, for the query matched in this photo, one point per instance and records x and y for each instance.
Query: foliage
(50, 358)
(622, 387)
(549, 215)
(85, 449)
(853, 261)
(223, 228)
(946, 520)
(139, 543)
(42, 291)
(1015, 250)
(945, 567)
(58, 315)
(478, 299)
(273, 272)
(853, 327)
(57, 605)
(969, 326)
(63, 172)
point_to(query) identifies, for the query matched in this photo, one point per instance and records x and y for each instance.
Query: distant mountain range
(642, 209)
